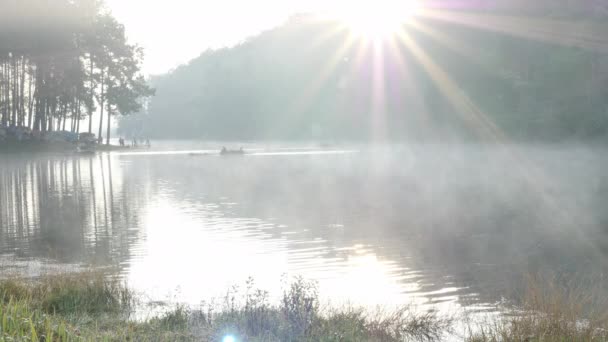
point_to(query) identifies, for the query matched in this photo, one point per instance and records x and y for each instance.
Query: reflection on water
(440, 225)
(67, 209)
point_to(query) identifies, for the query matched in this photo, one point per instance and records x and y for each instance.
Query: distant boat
(197, 154)
(225, 152)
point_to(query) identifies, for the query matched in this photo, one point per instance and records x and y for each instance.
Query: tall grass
(71, 307)
(19, 322)
(299, 316)
(88, 292)
(551, 309)
(91, 307)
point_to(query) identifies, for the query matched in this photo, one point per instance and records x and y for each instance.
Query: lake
(450, 226)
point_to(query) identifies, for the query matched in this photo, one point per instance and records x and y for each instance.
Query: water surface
(445, 225)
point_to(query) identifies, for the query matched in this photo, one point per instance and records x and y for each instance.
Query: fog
(454, 225)
(444, 159)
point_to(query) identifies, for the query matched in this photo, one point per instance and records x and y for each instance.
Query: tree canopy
(63, 60)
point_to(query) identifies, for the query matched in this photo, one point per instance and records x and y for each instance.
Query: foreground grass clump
(82, 293)
(19, 322)
(299, 317)
(73, 307)
(90, 307)
(551, 310)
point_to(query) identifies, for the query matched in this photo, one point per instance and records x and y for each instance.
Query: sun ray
(329, 34)
(571, 33)
(311, 90)
(460, 47)
(486, 128)
(378, 103)
(415, 109)
(468, 110)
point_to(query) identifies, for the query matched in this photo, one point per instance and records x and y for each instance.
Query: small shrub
(300, 306)
(551, 309)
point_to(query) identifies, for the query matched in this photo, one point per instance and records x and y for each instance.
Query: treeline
(532, 71)
(61, 62)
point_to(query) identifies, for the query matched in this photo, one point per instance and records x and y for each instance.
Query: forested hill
(498, 74)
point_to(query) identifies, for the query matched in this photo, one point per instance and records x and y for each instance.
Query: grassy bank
(91, 307)
(551, 309)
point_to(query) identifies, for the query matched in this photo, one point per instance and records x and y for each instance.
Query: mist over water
(445, 225)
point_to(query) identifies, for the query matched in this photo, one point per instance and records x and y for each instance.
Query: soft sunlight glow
(229, 339)
(378, 19)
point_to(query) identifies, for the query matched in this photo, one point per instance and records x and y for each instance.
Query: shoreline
(13, 147)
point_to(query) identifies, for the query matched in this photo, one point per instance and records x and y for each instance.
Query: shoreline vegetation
(35, 147)
(89, 306)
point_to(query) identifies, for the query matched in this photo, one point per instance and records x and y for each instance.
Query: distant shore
(55, 147)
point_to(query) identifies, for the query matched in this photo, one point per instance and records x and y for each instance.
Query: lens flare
(229, 338)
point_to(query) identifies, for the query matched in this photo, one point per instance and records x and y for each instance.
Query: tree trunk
(31, 101)
(22, 94)
(3, 99)
(73, 116)
(109, 124)
(40, 98)
(101, 103)
(78, 113)
(49, 117)
(52, 114)
(65, 118)
(15, 87)
(7, 92)
(92, 95)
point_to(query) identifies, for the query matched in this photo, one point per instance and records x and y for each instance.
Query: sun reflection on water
(198, 258)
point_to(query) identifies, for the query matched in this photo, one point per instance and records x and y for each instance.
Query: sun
(378, 19)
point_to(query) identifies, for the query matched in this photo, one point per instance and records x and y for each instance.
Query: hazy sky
(175, 31)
